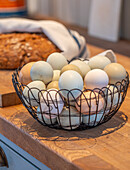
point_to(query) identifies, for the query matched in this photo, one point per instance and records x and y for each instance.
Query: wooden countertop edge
(47, 156)
(28, 143)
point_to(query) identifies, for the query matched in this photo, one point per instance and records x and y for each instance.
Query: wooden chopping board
(8, 96)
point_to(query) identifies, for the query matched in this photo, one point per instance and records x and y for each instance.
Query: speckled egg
(51, 103)
(98, 62)
(89, 102)
(96, 78)
(24, 75)
(71, 67)
(116, 72)
(70, 80)
(57, 61)
(56, 75)
(67, 121)
(32, 91)
(53, 85)
(41, 70)
(84, 68)
(44, 119)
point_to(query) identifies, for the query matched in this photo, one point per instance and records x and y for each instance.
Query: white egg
(31, 93)
(68, 120)
(70, 80)
(57, 61)
(89, 102)
(84, 68)
(94, 119)
(96, 78)
(45, 120)
(98, 62)
(111, 89)
(112, 96)
(41, 70)
(56, 75)
(51, 103)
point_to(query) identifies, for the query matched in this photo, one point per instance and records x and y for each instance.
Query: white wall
(72, 11)
(76, 12)
(104, 20)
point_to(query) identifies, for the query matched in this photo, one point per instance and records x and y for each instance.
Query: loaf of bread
(17, 49)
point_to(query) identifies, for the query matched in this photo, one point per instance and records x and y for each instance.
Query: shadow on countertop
(50, 134)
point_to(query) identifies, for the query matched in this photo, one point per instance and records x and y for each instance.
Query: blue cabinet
(17, 158)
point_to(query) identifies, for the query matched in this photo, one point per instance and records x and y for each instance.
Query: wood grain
(8, 96)
(93, 162)
(104, 147)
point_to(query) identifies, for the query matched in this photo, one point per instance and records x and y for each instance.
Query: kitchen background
(115, 14)
(104, 23)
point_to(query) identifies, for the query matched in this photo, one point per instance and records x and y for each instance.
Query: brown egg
(116, 72)
(24, 75)
(53, 85)
(70, 67)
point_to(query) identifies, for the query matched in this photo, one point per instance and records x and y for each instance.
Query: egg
(57, 61)
(72, 102)
(41, 70)
(53, 84)
(51, 103)
(96, 78)
(56, 75)
(116, 72)
(31, 93)
(70, 67)
(94, 119)
(111, 89)
(68, 118)
(70, 80)
(45, 120)
(24, 75)
(84, 68)
(112, 96)
(98, 62)
(89, 102)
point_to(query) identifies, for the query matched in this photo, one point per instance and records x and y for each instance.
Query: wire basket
(82, 113)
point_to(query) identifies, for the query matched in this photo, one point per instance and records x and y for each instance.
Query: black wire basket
(82, 113)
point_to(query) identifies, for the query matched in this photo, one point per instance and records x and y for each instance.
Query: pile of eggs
(67, 94)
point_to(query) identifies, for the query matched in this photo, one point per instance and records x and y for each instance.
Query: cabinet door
(104, 21)
(18, 159)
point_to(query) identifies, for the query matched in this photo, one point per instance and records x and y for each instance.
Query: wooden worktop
(104, 147)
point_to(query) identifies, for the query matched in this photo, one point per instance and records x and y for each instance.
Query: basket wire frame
(108, 111)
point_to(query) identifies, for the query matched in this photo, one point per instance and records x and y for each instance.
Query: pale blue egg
(71, 81)
(41, 70)
(57, 61)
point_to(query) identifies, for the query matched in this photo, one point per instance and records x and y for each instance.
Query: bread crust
(17, 49)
